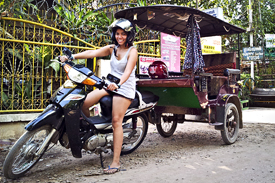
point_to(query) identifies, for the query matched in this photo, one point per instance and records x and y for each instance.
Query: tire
(134, 142)
(231, 124)
(21, 157)
(166, 129)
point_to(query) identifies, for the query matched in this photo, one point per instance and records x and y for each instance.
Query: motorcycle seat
(106, 102)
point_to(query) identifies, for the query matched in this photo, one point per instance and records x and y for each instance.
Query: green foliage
(244, 76)
(32, 54)
(16, 8)
(5, 99)
(236, 12)
(270, 53)
(81, 19)
(25, 90)
(36, 53)
(74, 20)
(141, 3)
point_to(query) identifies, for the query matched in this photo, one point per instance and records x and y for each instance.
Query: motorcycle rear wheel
(142, 128)
(21, 157)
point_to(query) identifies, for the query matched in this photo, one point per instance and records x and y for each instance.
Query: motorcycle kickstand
(101, 160)
(99, 151)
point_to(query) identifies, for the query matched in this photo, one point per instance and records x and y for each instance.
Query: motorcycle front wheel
(136, 138)
(23, 155)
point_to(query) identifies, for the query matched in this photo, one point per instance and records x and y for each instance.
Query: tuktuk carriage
(208, 87)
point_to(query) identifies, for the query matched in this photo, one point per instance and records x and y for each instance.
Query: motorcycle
(63, 121)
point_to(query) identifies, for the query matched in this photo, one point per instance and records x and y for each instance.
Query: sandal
(111, 170)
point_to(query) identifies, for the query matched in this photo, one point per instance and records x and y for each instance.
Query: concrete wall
(12, 130)
(12, 125)
(103, 67)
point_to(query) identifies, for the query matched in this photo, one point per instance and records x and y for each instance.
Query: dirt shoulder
(195, 153)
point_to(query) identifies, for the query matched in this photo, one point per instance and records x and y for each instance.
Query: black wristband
(118, 85)
(71, 57)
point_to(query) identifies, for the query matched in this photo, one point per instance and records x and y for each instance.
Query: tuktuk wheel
(231, 124)
(166, 128)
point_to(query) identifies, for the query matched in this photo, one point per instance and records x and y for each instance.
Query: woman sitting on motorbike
(123, 63)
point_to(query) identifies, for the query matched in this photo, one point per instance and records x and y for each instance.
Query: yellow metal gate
(26, 78)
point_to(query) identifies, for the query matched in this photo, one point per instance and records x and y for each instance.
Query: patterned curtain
(197, 54)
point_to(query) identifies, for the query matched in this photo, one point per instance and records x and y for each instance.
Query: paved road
(259, 115)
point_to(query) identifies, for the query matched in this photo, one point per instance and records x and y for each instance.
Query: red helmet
(158, 70)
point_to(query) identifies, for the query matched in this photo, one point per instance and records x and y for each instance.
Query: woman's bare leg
(120, 105)
(91, 99)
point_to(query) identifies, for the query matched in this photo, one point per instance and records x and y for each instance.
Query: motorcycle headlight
(78, 77)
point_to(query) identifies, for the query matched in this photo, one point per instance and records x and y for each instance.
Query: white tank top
(128, 88)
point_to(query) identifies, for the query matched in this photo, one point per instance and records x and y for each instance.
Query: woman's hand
(63, 58)
(112, 87)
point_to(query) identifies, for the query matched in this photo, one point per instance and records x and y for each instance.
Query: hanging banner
(170, 51)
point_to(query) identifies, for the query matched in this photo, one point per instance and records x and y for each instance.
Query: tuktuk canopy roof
(173, 19)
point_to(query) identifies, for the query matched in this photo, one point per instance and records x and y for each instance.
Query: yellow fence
(27, 79)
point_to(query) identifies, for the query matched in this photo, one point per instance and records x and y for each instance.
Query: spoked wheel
(231, 124)
(165, 128)
(134, 137)
(23, 155)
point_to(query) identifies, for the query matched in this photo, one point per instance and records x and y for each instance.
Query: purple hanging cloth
(198, 59)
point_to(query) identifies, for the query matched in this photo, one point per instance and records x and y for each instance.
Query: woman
(123, 63)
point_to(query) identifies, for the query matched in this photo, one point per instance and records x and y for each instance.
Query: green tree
(79, 17)
(15, 8)
(236, 12)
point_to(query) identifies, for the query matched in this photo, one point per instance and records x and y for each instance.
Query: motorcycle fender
(52, 115)
(71, 105)
(72, 129)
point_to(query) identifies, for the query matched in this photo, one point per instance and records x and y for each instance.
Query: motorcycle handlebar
(106, 83)
(67, 52)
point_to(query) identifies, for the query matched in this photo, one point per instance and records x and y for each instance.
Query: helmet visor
(123, 24)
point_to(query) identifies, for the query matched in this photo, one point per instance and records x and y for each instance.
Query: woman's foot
(111, 170)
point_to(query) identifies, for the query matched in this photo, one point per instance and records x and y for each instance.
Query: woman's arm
(101, 52)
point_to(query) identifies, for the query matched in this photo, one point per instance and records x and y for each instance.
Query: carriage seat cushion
(218, 70)
(217, 63)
